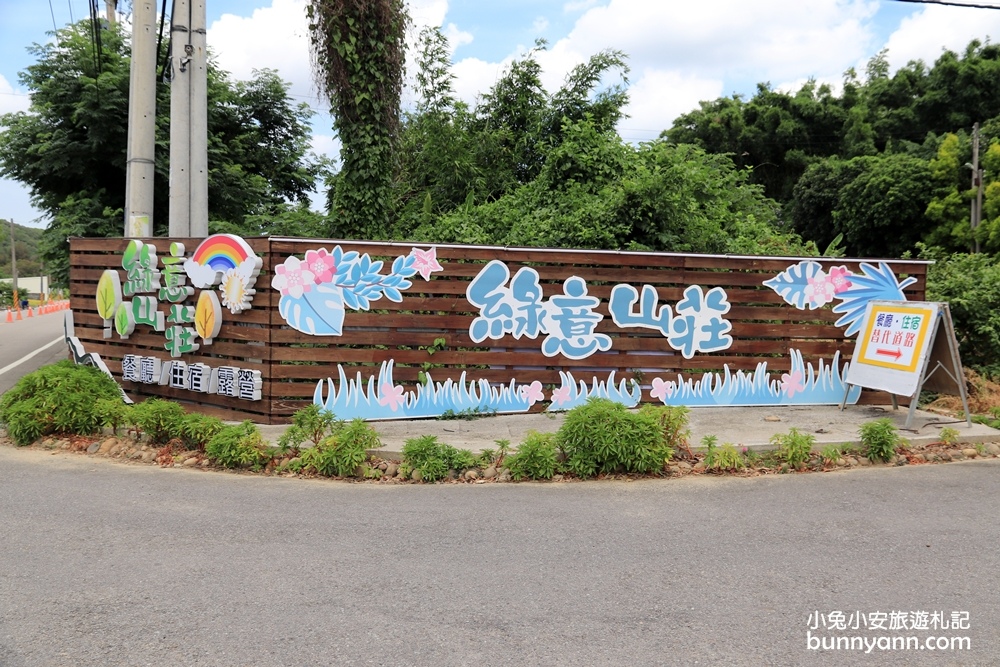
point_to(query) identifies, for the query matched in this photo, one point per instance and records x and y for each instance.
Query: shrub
(196, 430)
(61, 398)
(831, 454)
(949, 435)
(602, 436)
(673, 421)
(794, 447)
(160, 420)
(726, 458)
(113, 413)
(340, 454)
(535, 458)
(879, 439)
(434, 458)
(971, 286)
(240, 446)
(312, 423)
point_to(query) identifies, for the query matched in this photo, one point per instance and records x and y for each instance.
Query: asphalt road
(109, 564)
(20, 339)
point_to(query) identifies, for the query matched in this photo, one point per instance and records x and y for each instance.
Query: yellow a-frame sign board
(900, 348)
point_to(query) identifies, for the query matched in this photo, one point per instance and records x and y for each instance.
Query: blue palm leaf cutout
(877, 283)
(791, 283)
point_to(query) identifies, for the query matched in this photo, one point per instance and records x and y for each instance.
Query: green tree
(359, 53)
(881, 210)
(70, 147)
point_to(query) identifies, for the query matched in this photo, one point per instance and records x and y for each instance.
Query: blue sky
(679, 52)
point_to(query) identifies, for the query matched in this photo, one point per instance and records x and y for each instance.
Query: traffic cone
(10, 315)
(18, 314)
(29, 311)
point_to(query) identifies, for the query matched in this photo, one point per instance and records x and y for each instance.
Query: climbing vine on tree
(358, 60)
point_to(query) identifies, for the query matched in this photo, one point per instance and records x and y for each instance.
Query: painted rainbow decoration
(222, 252)
(219, 252)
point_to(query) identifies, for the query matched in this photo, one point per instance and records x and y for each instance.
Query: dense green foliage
(69, 148)
(433, 459)
(196, 430)
(26, 241)
(970, 284)
(531, 168)
(239, 446)
(158, 419)
(341, 453)
(535, 458)
(879, 438)
(603, 436)
(60, 398)
(311, 424)
(794, 447)
(884, 163)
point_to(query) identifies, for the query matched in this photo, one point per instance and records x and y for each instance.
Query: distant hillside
(29, 262)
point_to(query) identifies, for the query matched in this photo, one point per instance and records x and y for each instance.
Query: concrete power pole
(141, 122)
(977, 184)
(13, 265)
(189, 121)
(109, 9)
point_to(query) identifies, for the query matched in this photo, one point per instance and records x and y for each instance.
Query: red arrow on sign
(890, 353)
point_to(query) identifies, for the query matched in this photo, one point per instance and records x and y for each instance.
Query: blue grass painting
(575, 392)
(802, 385)
(381, 398)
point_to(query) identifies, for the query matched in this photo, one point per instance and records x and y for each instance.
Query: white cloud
(275, 37)
(779, 39)
(659, 96)
(327, 145)
(687, 52)
(10, 99)
(456, 37)
(539, 25)
(924, 35)
(578, 5)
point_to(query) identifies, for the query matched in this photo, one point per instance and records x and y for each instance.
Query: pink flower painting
(662, 390)
(839, 276)
(425, 262)
(561, 395)
(532, 392)
(391, 396)
(791, 383)
(320, 262)
(292, 278)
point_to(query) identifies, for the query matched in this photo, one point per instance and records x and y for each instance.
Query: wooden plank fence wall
(764, 327)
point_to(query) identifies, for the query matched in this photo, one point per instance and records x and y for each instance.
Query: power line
(53, 12)
(947, 3)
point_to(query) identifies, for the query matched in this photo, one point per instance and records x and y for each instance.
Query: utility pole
(140, 170)
(188, 121)
(977, 185)
(110, 6)
(13, 266)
